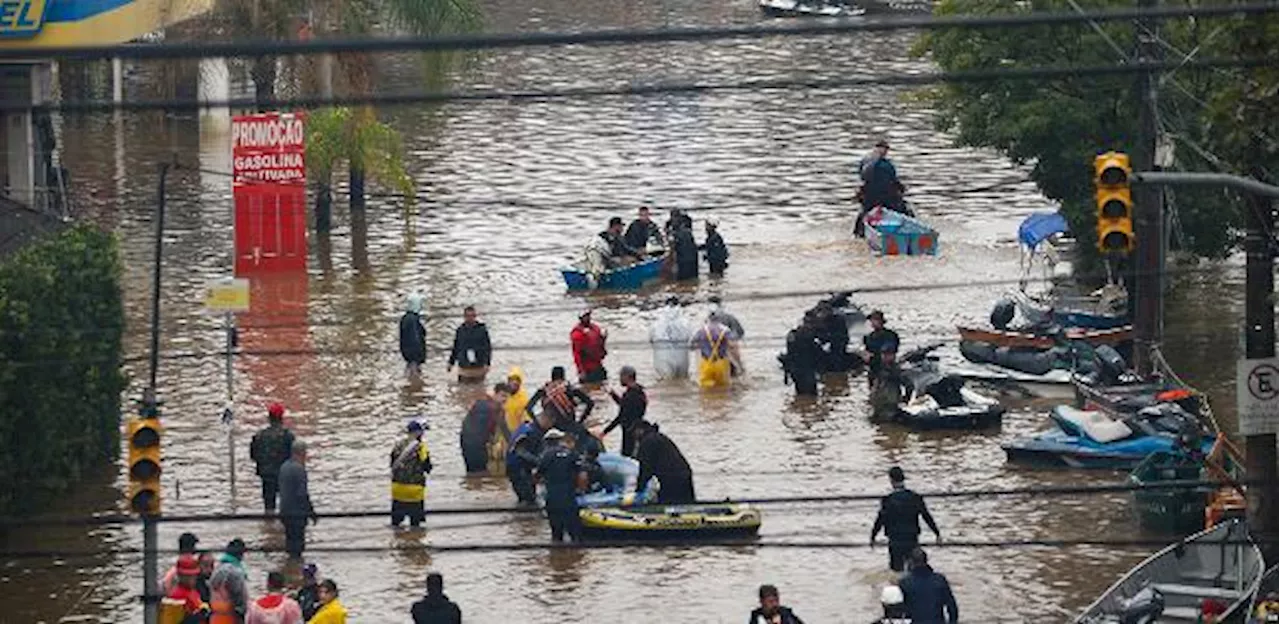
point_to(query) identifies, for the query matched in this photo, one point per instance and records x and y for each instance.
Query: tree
(1058, 125)
(334, 136)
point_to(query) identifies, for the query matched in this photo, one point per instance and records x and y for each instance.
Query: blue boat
(1088, 439)
(624, 278)
(892, 233)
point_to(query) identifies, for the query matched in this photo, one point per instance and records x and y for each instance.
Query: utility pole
(1147, 296)
(1260, 344)
(150, 542)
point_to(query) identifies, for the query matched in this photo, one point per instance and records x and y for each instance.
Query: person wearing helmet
(560, 470)
(894, 606)
(269, 450)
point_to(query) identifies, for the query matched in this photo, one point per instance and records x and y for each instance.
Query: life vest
(555, 396)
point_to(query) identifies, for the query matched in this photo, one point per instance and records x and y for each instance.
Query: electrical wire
(428, 97)
(607, 37)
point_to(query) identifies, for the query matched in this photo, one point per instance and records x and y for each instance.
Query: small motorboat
(1088, 312)
(623, 278)
(799, 8)
(934, 400)
(671, 522)
(1221, 566)
(1055, 384)
(892, 233)
(1015, 339)
(1089, 439)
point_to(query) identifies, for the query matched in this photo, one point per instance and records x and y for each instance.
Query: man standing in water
(471, 348)
(878, 341)
(560, 401)
(561, 470)
(413, 337)
(269, 450)
(800, 362)
(410, 463)
(589, 350)
(660, 457)
(480, 426)
(522, 456)
(880, 185)
(295, 501)
(632, 404)
(738, 332)
(927, 594)
(900, 514)
(714, 343)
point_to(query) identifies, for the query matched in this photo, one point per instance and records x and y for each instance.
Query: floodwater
(510, 192)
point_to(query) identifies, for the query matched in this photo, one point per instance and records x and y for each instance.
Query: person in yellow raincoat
(516, 400)
(713, 342)
(410, 463)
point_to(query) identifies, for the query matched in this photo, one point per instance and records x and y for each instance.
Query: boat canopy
(1040, 226)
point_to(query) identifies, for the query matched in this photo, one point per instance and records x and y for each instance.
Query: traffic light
(144, 465)
(1111, 177)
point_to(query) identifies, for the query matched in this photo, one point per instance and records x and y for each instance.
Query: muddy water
(510, 192)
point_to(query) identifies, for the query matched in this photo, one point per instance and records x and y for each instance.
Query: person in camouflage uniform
(269, 449)
(410, 463)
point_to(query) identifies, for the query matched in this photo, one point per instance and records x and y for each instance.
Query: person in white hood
(670, 336)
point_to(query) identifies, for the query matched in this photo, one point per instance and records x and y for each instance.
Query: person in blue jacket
(880, 185)
(523, 452)
(927, 594)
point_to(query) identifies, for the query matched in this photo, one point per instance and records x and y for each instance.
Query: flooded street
(510, 192)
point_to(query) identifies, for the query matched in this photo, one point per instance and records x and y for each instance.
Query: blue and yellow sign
(22, 18)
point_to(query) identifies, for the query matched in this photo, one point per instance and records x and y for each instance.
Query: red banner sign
(269, 147)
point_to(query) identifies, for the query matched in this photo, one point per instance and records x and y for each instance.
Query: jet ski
(1092, 439)
(800, 8)
(937, 400)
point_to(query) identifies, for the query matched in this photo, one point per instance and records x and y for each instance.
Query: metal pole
(150, 595)
(1184, 178)
(1260, 342)
(228, 415)
(1148, 295)
(155, 278)
(150, 545)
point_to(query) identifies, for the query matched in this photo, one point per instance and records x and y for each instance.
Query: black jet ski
(934, 399)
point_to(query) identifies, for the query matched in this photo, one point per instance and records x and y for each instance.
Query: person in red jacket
(588, 349)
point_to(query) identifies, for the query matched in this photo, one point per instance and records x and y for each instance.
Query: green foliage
(1058, 126)
(60, 379)
(337, 135)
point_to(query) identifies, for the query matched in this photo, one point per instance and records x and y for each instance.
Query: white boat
(1055, 384)
(797, 8)
(1219, 564)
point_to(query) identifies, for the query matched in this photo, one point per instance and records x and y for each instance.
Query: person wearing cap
(413, 336)
(771, 610)
(684, 248)
(295, 501)
(670, 336)
(620, 253)
(435, 607)
(643, 232)
(472, 350)
(228, 585)
(714, 342)
(410, 463)
(274, 607)
(632, 405)
(660, 457)
(927, 594)
(899, 516)
(588, 342)
(892, 603)
(331, 609)
(269, 450)
(880, 185)
(483, 423)
(523, 453)
(186, 546)
(182, 604)
(308, 596)
(878, 341)
(714, 249)
(800, 361)
(560, 470)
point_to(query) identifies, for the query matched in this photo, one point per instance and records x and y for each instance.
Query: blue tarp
(1039, 226)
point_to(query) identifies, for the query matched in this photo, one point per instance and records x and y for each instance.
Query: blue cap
(416, 425)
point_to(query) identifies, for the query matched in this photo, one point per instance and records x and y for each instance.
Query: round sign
(1263, 382)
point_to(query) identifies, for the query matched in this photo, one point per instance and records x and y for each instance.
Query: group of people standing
(820, 345)
(718, 343)
(642, 239)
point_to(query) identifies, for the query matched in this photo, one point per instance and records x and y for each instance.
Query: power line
(605, 37)
(428, 97)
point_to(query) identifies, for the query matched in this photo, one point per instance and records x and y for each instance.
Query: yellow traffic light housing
(1111, 177)
(144, 465)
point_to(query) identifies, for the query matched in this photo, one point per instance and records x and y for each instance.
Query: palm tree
(337, 135)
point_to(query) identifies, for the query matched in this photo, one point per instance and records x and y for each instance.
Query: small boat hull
(626, 278)
(1173, 511)
(671, 522)
(1056, 384)
(968, 417)
(891, 233)
(791, 8)
(1027, 340)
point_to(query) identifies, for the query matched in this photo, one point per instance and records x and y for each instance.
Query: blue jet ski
(1091, 439)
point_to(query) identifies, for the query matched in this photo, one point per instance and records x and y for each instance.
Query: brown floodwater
(509, 193)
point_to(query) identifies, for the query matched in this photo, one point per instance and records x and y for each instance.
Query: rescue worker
(483, 422)
(295, 501)
(560, 401)
(878, 341)
(670, 336)
(895, 610)
(880, 185)
(632, 405)
(887, 386)
(713, 342)
(269, 449)
(833, 335)
(685, 249)
(274, 607)
(724, 317)
(643, 232)
(308, 596)
(186, 546)
(899, 516)
(228, 584)
(331, 609)
(410, 463)
(517, 399)
(182, 604)
(771, 610)
(560, 470)
(620, 253)
(435, 607)
(471, 348)
(413, 337)
(523, 453)
(588, 341)
(927, 594)
(660, 457)
(800, 362)
(717, 253)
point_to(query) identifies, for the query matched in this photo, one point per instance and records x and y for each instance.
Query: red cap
(188, 565)
(275, 410)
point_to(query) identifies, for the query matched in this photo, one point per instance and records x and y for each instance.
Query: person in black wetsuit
(560, 400)
(632, 404)
(685, 249)
(800, 362)
(660, 457)
(560, 469)
(642, 231)
(833, 335)
(880, 340)
(900, 514)
(471, 346)
(413, 337)
(716, 251)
